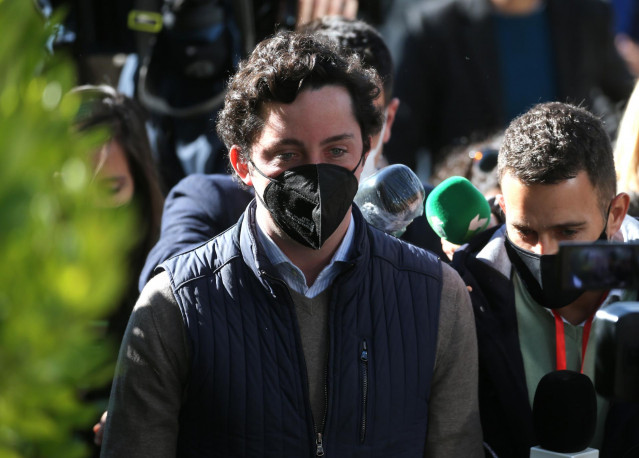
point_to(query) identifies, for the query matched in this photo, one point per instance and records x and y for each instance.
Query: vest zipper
(319, 431)
(319, 451)
(319, 443)
(364, 371)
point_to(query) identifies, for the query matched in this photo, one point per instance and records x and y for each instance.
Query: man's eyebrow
(336, 138)
(285, 142)
(571, 224)
(519, 226)
(296, 142)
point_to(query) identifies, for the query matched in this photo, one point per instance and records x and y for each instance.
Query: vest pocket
(363, 362)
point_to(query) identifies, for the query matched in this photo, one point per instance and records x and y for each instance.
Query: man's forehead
(269, 107)
(579, 183)
(316, 114)
(568, 202)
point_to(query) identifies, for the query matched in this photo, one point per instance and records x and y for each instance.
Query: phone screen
(601, 265)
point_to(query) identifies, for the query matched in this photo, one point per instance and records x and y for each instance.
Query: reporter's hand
(629, 51)
(449, 248)
(98, 429)
(308, 10)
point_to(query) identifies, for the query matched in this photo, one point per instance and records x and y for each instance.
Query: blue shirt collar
(293, 276)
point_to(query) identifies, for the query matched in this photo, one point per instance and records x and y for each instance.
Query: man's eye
(337, 152)
(527, 235)
(286, 156)
(524, 232)
(568, 233)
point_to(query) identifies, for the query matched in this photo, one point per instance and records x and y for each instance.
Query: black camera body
(617, 352)
(604, 266)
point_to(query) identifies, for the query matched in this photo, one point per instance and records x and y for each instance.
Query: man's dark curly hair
(280, 68)
(555, 141)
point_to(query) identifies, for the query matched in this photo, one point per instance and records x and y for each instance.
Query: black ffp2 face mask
(309, 202)
(540, 274)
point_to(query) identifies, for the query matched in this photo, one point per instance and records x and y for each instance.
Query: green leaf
(63, 257)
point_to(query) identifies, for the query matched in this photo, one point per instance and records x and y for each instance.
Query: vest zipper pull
(320, 446)
(364, 354)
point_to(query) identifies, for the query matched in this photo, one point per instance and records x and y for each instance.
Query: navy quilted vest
(248, 394)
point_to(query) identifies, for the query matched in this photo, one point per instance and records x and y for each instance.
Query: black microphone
(564, 415)
(391, 199)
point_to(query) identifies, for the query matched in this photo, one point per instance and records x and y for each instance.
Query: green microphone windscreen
(456, 210)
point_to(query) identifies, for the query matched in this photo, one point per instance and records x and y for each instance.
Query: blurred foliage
(62, 256)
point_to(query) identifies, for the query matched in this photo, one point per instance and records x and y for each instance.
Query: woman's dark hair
(103, 106)
(280, 68)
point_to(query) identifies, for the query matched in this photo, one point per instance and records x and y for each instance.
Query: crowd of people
(273, 320)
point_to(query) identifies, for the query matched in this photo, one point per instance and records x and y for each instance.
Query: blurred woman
(627, 152)
(123, 166)
(124, 163)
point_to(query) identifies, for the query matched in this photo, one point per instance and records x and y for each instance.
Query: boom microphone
(456, 210)
(564, 415)
(391, 198)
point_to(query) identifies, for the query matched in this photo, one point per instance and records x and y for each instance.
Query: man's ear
(618, 210)
(391, 112)
(499, 198)
(240, 166)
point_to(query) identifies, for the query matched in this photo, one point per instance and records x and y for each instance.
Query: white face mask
(371, 161)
